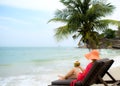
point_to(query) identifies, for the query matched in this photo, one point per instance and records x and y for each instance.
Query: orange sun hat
(94, 54)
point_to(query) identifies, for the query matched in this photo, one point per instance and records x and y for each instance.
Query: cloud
(10, 19)
(4, 27)
(49, 5)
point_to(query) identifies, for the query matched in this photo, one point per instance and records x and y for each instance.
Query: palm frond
(103, 24)
(99, 10)
(62, 32)
(63, 14)
(75, 21)
(58, 20)
(111, 21)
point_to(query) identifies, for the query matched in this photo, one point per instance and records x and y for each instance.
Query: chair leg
(102, 81)
(111, 77)
(116, 83)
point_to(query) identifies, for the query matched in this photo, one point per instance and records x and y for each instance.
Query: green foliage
(118, 32)
(83, 18)
(109, 33)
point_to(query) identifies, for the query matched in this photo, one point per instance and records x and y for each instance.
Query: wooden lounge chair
(95, 76)
(103, 71)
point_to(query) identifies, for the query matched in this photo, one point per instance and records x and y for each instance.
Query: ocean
(38, 66)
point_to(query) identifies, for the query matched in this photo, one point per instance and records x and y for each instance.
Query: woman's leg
(70, 74)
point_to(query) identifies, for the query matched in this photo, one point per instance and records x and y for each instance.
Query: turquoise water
(12, 55)
(29, 66)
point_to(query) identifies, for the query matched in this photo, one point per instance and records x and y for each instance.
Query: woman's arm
(81, 69)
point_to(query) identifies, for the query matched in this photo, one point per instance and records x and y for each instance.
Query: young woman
(93, 56)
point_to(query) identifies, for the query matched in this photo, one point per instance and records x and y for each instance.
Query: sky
(25, 23)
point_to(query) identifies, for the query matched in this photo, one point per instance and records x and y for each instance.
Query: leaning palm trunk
(92, 44)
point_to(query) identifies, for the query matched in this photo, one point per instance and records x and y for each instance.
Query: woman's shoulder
(89, 65)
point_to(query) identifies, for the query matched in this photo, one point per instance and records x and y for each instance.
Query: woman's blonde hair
(76, 63)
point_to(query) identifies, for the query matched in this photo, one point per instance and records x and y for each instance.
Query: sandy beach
(114, 71)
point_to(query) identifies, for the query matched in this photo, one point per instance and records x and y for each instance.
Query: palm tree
(83, 19)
